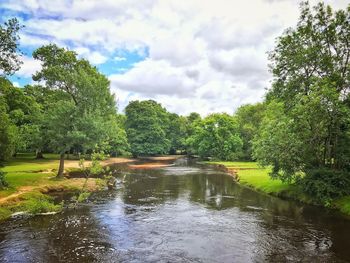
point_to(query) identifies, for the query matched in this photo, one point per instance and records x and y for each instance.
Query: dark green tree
(217, 136)
(146, 126)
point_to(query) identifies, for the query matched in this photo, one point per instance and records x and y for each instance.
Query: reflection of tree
(149, 187)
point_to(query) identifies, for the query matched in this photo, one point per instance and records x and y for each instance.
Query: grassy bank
(31, 180)
(256, 177)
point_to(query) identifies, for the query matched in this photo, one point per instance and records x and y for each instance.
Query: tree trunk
(61, 167)
(39, 155)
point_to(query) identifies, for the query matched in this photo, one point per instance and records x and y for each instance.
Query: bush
(36, 203)
(3, 181)
(325, 184)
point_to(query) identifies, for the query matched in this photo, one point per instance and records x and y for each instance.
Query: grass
(256, 177)
(29, 179)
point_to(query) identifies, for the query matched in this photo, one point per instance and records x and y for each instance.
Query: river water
(180, 213)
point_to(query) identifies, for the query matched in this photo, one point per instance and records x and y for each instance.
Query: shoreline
(15, 198)
(282, 190)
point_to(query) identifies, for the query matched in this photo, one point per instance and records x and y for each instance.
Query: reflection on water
(181, 213)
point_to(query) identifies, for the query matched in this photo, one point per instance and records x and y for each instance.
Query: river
(181, 213)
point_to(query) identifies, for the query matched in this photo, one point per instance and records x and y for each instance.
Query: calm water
(181, 213)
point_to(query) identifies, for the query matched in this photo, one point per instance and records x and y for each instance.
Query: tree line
(301, 129)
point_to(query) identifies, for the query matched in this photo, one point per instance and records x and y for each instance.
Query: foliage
(117, 142)
(9, 53)
(23, 113)
(276, 144)
(326, 184)
(146, 126)
(83, 114)
(83, 197)
(307, 122)
(8, 133)
(3, 181)
(36, 203)
(217, 136)
(249, 119)
(177, 133)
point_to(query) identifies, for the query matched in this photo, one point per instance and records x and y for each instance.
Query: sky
(190, 55)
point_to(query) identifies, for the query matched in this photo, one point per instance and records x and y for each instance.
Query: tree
(23, 113)
(7, 133)
(146, 126)
(192, 121)
(177, 133)
(277, 144)
(311, 69)
(249, 118)
(117, 143)
(9, 53)
(82, 115)
(217, 136)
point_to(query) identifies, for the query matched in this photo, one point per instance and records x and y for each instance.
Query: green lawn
(25, 170)
(251, 174)
(28, 178)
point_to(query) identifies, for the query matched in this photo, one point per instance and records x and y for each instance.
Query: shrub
(325, 184)
(3, 181)
(36, 203)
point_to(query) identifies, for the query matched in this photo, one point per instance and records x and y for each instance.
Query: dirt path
(21, 190)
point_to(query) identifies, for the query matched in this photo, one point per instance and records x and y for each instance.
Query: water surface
(181, 213)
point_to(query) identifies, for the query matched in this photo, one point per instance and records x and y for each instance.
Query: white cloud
(203, 55)
(152, 77)
(94, 57)
(119, 58)
(29, 67)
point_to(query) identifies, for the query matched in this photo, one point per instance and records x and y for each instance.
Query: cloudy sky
(190, 55)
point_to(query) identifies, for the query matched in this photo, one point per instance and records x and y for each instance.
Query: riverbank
(252, 175)
(31, 181)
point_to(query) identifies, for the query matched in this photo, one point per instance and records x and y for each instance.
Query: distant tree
(117, 143)
(37, 139)
(177, 133)
(146, 126)
(217, 136)
(83, 114)
(192, 121)
(23, 112)
(249, 118)
(9, 52)
(194, 116)
(8, 133)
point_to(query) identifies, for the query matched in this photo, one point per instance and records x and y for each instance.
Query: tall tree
(311, 69)
(9, 52)
(146, 126)
(83, 114)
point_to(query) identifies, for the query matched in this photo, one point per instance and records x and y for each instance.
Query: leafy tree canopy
(9, 53)
(217, 136)
(146, 127)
